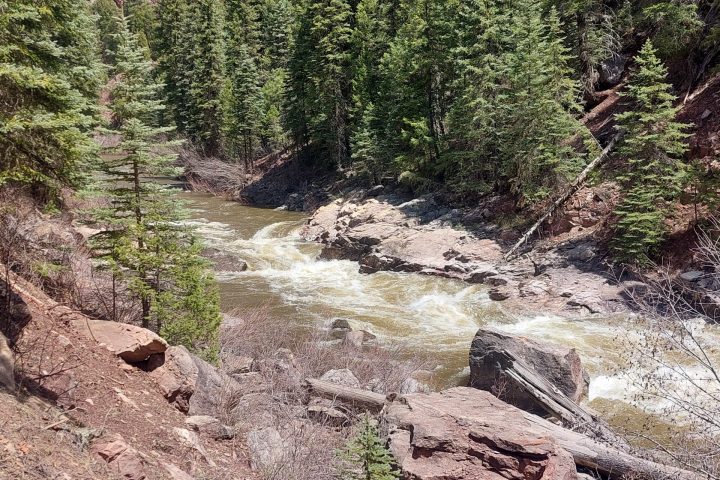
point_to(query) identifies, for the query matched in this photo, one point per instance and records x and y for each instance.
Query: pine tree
(417, 75)
(106, 12)
(244, 110)
(174, 49)
(206, 79)
(49, 81)
(146, 244)
(365, 457)
(331, 30)
(371, 38)
(653, 145)
(191, 48)
(519, 101)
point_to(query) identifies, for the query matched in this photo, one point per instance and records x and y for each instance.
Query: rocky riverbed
(385, 233)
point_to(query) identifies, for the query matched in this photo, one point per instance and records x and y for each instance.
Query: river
(432, 316)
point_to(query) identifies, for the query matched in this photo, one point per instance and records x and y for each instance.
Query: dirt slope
(75, 397)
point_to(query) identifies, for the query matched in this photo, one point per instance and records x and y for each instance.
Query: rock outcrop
(122, 459)
(132, 344)
(197, 388)
(466, 434)
(561, 366)
(385, 233)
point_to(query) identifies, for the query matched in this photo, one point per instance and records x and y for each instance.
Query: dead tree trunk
(574, 186)
(352, 396)
(609, 461)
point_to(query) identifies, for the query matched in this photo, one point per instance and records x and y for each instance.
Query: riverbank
(383, 231)
(386, 229)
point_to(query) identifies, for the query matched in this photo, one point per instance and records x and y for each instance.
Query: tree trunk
(353, 396)
(574, 186)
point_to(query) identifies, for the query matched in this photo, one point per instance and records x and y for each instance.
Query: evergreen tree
(244, 111)
(417, 74)
(371, 38)
(365, 457)
(49, 80)
(106, 12)
(332, 23)
(174, 55)
(191, 47)
(518, 101)
(319, 97)
(206, 78)
(299, 105)
(653, 145)
(146, 244)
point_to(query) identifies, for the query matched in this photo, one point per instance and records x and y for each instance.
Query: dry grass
(258, 335)
(285, 357)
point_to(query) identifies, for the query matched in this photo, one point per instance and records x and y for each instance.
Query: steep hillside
(81, 412)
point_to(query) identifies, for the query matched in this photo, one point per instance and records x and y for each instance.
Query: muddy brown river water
(432, 316)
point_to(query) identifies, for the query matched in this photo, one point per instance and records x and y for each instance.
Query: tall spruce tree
(653, 145)
(206, 79)
(192, 55)
(518, 101)
(146, 243)
(417, 74)
(244, 109)
(49, 80)
(319, 84)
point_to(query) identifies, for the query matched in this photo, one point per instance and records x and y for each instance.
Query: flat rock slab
(131, 343)
(468, 434)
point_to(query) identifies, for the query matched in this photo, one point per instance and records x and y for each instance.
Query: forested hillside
(471, 97)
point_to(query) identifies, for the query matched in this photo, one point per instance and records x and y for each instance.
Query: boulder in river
(224, 262)
(561, 366)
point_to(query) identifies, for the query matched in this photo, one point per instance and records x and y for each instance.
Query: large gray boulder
(561, 366)
(191, 384)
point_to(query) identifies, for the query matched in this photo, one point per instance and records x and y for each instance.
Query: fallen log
(612, 462)
(550, 399)
(574, 187)
(352, 396)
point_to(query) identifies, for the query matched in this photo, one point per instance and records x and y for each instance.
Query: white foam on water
(427, 312)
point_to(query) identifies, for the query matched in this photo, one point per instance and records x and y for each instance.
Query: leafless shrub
(258, 335)
(285, 357)
(674, 357)
(213, 175)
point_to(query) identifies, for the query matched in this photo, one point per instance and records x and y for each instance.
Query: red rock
(120, 457)
(468, 434)
(131, 343)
